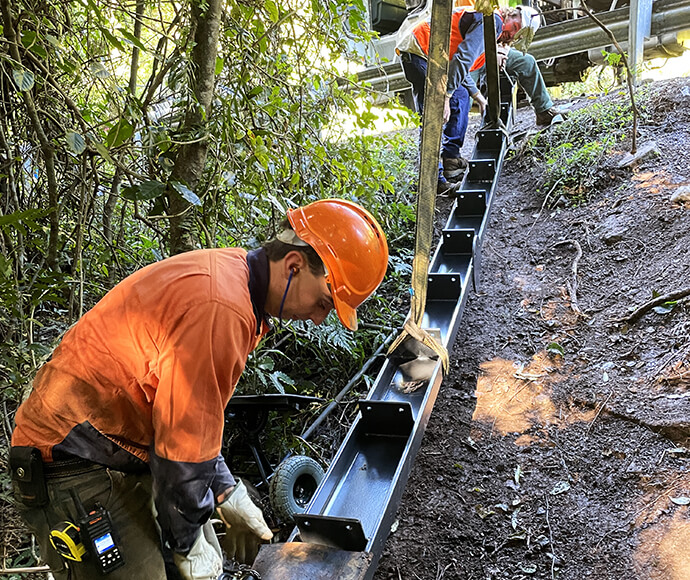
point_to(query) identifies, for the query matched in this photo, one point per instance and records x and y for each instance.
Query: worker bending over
(128, 413)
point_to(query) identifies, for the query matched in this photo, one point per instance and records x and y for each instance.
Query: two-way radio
(94, 535)
(98, 534)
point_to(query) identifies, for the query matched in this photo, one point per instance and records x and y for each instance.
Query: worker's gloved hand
(204, 560)
(246, 525)
(481, 102)
(502, 51)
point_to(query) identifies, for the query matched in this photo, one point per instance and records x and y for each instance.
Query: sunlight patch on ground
(663, 520)
(576, 415)
(676, 375)
(653, 181)
(512, 397)
(559, 309)
(663, 553)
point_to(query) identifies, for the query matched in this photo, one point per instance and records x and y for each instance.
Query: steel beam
(563, 39)
(344, 529)
(640, 29)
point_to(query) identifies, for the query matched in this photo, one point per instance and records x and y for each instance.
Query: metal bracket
(386, 418)
(458, 241)
(444, 286)
(471, 202)
(342, 533)
(481, 170)
(490, 140)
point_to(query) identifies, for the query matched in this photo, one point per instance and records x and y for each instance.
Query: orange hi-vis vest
(422, 33)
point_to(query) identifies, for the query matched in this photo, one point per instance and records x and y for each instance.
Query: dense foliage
(100, 104)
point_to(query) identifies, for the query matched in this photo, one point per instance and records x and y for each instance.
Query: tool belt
(30, 473)
(69, 467)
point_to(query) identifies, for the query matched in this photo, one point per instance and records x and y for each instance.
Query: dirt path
(537, 465)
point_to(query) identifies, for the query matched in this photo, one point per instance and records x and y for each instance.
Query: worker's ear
(294, 261)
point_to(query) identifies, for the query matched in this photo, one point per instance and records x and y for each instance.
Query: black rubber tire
(293, 485)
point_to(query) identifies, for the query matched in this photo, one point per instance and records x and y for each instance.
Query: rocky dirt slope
(558, 446)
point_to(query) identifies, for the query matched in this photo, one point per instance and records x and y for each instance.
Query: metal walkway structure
(343, 532)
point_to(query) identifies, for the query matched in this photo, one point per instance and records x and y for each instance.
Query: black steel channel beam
(351, 513)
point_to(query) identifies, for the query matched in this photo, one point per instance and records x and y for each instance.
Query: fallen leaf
(560, 487)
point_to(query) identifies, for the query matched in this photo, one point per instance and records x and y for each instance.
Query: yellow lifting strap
(432, 126)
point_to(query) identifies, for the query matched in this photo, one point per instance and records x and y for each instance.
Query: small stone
(681, 195)
(643, 151)
(613, 233)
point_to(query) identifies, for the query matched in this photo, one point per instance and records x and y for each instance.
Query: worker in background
(522, 68)
(466, 46)
(129, 411)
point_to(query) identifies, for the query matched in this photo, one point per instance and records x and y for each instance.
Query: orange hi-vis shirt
(146, 374)
(422, 33)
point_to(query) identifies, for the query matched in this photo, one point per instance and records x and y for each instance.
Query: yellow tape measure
(67, 542)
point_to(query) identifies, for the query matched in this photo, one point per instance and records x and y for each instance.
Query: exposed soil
(541, 465)
(537, 465)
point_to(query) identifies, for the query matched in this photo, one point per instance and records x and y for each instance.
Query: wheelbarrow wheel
(293, 485)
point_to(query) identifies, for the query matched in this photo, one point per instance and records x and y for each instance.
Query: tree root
(572, 286)
(647, 306)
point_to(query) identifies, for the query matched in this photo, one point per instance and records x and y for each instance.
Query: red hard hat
(352, 246)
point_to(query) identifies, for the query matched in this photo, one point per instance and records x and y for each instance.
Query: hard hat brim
(346, 314)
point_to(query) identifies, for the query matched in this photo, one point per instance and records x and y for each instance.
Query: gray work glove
(481, 101)
(204, 560)
(246, 525)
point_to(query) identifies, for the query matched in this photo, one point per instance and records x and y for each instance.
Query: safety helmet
(530, 18)
(352, 247)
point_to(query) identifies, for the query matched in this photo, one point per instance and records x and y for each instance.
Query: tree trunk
(189, 165)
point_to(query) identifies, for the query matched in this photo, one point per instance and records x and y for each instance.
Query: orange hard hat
(352, 247)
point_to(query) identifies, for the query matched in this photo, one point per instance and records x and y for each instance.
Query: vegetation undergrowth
(572, 153)
(302, 358)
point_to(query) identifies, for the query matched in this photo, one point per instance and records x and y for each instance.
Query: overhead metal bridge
(579, 40)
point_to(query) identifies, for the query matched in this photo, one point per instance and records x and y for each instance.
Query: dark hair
(277, 250)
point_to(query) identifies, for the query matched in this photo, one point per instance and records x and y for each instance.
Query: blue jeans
(454, 130)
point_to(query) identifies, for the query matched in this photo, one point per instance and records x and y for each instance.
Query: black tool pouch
(29, 483)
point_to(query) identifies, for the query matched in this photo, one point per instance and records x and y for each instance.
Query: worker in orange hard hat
(128, 413)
